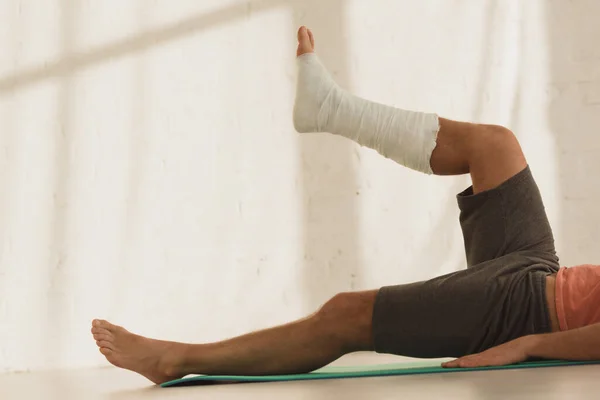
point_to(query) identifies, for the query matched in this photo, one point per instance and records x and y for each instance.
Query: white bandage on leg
(407, 137)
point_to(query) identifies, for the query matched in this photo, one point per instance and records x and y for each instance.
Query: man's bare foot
(306, 41)
(157, 360)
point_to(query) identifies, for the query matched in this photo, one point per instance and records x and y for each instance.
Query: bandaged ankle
(407, 137)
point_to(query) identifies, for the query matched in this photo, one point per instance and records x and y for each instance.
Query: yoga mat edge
(363, 372)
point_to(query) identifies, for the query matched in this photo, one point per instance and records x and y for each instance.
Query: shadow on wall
(139, 161)
(74, 61)
(327, 163)
(328, 167)
(60, 293)
(574, 120)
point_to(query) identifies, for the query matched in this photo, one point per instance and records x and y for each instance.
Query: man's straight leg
(341, 326)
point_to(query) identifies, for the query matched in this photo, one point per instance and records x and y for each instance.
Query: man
(513, 302)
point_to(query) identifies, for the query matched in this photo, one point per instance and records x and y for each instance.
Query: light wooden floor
(580, 382)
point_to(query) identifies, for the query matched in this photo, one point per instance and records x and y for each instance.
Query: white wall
(150, 173)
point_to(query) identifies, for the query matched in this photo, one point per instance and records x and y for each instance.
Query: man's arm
(577, 344)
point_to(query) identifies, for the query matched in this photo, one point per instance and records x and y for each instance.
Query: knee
(499, 136)
(341, 305)
(349, 316)
(497, 143)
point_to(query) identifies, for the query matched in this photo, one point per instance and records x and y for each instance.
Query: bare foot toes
(306, 41)
(157, 360)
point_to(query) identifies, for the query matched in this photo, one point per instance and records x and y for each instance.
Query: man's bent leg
(490, 153)
(341, 326)
(418, 140)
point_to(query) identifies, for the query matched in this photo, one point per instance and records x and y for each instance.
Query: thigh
(507, 219)
(464, 312)
(442, 317)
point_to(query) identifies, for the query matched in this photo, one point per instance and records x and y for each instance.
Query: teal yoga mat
(361, 372)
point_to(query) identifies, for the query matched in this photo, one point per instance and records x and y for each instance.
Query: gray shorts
(499, 297)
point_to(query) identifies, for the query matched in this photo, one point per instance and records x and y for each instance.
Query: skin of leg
(490, 153)
(340, 326)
